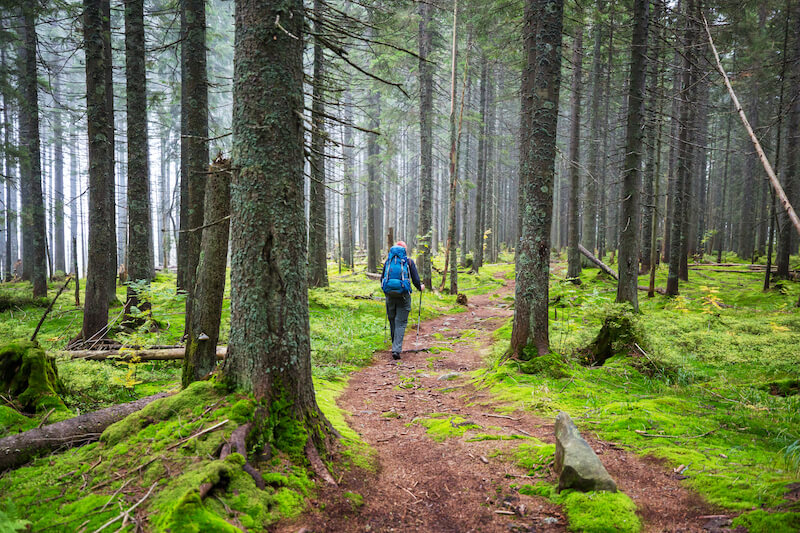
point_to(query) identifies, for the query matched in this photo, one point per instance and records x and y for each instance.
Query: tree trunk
(203, 332)
(541, 79)
(194, 143)
(678, 234)
(317, 252)
(102, 241)
(11, 244)
(111, 195)
(450, 250)
(480, 191)
(348, 240)
(573, 230)
(59, 253)
(374, 194)
(16, 450)
(425, 229)
(589, 234)
(791, 179)
(34, 266)
(627, 288)
(269, 353)
(140, 233)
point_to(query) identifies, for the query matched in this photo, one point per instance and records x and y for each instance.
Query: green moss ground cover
(80, 488)
(708, 385)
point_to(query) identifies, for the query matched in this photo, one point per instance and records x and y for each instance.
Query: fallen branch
(194, 436)
(16, 450)
(127, 513)
(776, 185)
(607, 269)
(157, 354)
(373, 276)
(658, 435)
(50, 308)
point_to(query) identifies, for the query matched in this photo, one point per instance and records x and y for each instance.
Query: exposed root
(238, 445)
(317, 464)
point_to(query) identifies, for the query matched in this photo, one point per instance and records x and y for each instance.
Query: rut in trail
(458, 486)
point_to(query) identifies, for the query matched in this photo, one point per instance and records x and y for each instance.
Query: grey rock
(449, 376)
(576, 463)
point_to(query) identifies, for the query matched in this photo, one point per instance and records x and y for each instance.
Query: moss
(442, 427)
(30, 376)
(551, 365)
(600, 512)
(12, 421)
(354, 450)
(191, 401)
(242, 411)
(764, 521)
(190, 515)
(357, 500)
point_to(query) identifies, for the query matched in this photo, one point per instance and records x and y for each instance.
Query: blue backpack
(397, 276)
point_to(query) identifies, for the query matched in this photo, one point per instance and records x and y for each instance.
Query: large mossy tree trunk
(317, 247)
(140, 232)
(628, 285)
(34, 266)
(269, 352)
(541, 81)
(202, 332)
(102, 240)
(426, 142)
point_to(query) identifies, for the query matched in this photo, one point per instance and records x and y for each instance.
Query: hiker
(399, 272)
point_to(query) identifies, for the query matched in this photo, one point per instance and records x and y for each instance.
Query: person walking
(399, 273)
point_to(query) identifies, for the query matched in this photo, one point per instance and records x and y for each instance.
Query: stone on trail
(449, 376)
(576, 463)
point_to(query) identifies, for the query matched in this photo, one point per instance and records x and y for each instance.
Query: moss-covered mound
(617, 335)
(30, 377)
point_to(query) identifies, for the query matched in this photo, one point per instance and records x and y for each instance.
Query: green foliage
(768, 522)
(715, 380)
(10, 522)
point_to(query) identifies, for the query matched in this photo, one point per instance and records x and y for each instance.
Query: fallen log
(16, 450)
(373, 276)
(156, 354)
(607, 269)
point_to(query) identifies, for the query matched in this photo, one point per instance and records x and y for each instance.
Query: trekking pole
(419, 314)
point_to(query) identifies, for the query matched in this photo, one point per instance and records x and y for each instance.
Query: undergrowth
(706, 383)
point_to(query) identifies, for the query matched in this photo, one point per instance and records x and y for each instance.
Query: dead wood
(607, 269)
(50, 308)
(154, 354)
(18, 449)
(373, 276)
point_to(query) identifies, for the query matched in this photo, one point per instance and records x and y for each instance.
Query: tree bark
(573, 230)
(59, 253)
(11, 244)
(203, 332)
(16, 450)
(480, 190)
(541, 80)
(34, 266)
(426, 142)
(374, 194)
(348, 240)
(194, 141)
(317, 251)
(140, 233)
(589, 234)
(627, 288)
(102, 241)
(269, 353)
(111, 195)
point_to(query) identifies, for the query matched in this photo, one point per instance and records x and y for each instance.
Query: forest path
(458, 486)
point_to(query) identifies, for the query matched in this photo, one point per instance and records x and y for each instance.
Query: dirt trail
(458, 486)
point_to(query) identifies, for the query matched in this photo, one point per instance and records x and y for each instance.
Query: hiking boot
(395, 355)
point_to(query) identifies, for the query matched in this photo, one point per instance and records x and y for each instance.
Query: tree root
(316, 463)
(238, 445)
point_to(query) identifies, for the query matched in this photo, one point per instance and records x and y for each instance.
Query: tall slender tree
(627, 287)
(102, 240)
(34, 266)
(140, 232)
(573, 231)
(58, 248)
(317, 251)
(541, 80)
(426, 141)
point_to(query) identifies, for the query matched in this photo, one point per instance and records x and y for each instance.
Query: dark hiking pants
(397, 309)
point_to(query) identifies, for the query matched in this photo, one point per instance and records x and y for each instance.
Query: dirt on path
(422, 485)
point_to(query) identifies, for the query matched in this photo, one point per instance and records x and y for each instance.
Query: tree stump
(30, 376)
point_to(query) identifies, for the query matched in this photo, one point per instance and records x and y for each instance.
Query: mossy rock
(30, 376)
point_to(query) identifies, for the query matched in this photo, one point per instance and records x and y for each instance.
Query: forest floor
(443, 447)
